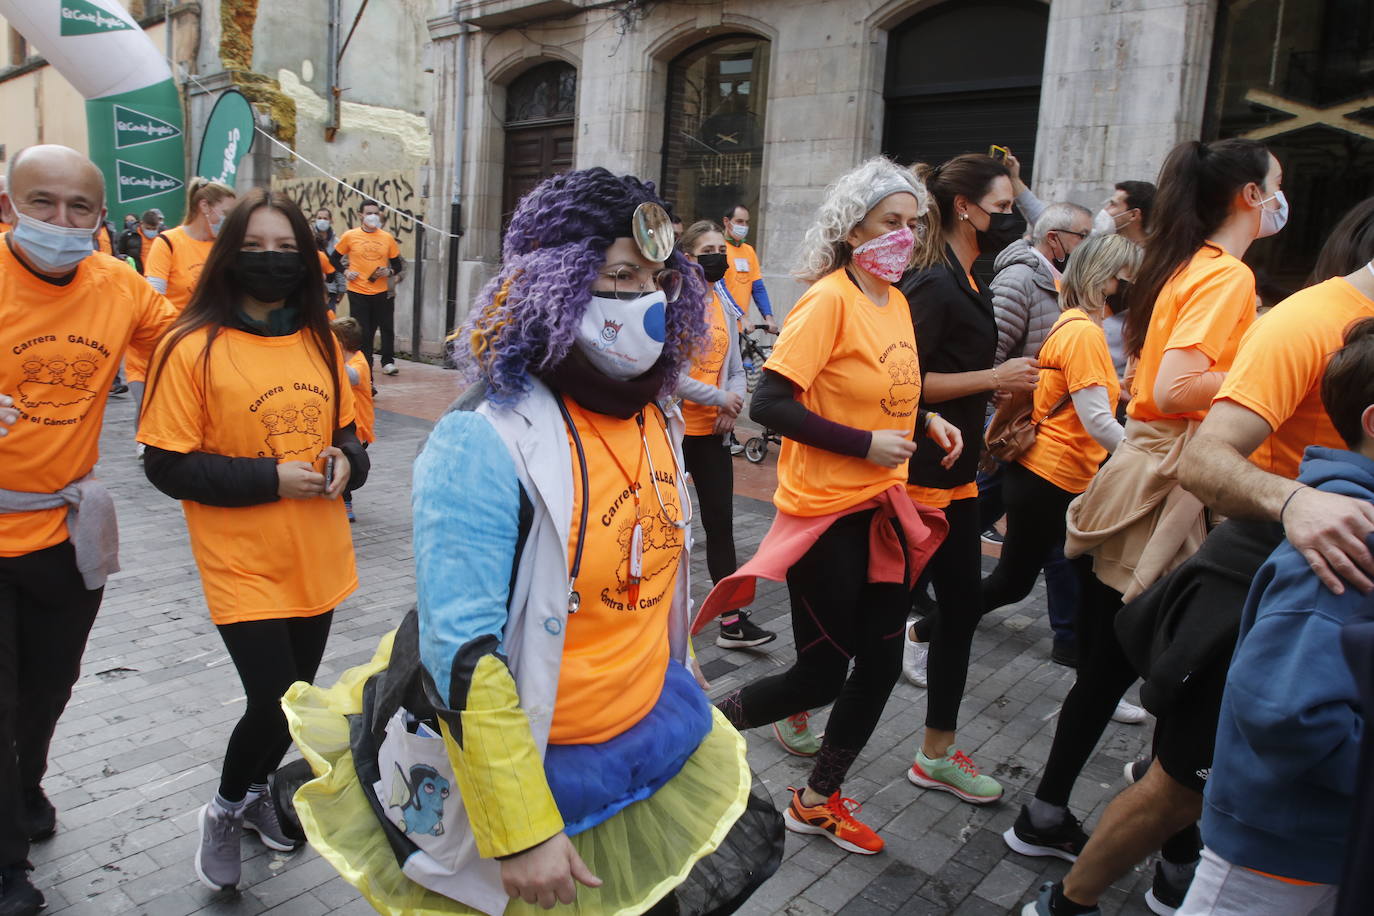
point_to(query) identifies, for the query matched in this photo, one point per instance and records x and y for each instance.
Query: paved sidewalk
(139, 748)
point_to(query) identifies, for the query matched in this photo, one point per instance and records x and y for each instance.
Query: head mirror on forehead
(653, 232)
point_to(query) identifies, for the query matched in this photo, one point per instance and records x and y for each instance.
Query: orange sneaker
(833, 819)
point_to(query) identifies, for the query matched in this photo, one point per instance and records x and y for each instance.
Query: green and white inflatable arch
(133, 110)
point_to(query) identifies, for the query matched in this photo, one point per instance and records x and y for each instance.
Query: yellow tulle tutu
(640, 854)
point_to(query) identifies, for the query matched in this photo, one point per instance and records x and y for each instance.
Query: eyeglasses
(632, 281)
(1081, 235)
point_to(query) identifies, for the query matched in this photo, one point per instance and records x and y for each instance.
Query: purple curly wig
(525, 319)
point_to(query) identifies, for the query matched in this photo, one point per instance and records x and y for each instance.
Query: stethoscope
(574, 597)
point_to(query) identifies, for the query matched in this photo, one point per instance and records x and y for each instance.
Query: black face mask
(268, 276)
(713, 265)
(1002, 230)
(1062, 263)
(1116, 302)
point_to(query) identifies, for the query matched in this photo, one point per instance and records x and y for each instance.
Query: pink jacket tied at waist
(791, 536)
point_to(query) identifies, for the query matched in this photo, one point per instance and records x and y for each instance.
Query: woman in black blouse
(956, 337)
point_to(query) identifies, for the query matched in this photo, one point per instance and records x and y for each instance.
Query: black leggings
(838, 616)
(708, 460)
(956, 572)
(1035, 526)
(1104, 674)
(46, 613)
(270, 656)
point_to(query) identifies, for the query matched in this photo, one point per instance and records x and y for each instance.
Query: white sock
(233, 809)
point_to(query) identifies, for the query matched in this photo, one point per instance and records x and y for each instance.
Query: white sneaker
(914, 656)
(389, 369)
(1128, 713)
(139, 448)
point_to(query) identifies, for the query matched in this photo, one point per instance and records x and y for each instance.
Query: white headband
(894, 184)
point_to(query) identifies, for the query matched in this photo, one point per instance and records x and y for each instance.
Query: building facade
(449, 112)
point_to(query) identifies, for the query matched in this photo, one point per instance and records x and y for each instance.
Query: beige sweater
(1135, 519)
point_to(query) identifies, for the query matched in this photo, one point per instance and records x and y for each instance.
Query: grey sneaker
(218, 863)
(260, 816)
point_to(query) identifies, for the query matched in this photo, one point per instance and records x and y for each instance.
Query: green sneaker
(796, 737)
(956, 774)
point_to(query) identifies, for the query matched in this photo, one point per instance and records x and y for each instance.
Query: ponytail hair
(971, 175)
(208, 190)
(1196, 187)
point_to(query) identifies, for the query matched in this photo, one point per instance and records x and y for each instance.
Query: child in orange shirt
(350, 336)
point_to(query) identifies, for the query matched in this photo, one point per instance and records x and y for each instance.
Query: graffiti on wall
(395, 189)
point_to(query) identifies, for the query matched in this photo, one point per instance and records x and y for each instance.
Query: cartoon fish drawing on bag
(420, 798)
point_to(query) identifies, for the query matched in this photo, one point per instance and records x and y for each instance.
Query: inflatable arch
(133, 110)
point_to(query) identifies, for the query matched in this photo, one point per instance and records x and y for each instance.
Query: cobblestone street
(138, 750)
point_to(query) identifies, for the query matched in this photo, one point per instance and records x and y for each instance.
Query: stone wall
(1124, 82)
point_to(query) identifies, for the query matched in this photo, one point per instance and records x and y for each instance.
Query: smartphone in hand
(328, 473)
(998, 153)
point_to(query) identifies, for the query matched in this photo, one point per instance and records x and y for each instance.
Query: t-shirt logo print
(293, 431)
(905, 389)
(58, 381)
(662, 541)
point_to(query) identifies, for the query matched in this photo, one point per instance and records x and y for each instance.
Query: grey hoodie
(1025, 301)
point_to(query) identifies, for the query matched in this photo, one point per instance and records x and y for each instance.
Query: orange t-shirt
(267, 396)
(363, 407)
(1074, 357)
(854, 363)
(741, 270)
(367, 251)
(60, 350)
(615, 652)
(707, 367)
(938, 498)
(176, 259)
(103, 243)
(326, 266)
(1206, 306)
(1278, 371)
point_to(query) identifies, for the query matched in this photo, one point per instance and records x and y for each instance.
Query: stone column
(1122, 86)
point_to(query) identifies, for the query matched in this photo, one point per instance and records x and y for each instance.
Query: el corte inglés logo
(137, 182)
(133, 128)
(80, 17)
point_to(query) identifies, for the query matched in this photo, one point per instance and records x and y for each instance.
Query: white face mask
(321, 225)
(623, 338)
(372, 221)
(738, 231)
(1271, 221)
(55, 249)
(1104, 223)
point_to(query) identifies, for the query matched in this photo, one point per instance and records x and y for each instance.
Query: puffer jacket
(1025, 301)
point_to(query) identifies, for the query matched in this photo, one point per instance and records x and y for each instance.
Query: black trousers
(708, 460)
(956, 572)
(270, 656)
(1104, 674)
(46, 614)
(1035, 527)
(838, 617)
(375, 312)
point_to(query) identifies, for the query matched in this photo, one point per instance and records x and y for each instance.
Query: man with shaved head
(68, 314)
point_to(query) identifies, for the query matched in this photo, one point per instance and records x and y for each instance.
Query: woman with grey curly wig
(843, 387)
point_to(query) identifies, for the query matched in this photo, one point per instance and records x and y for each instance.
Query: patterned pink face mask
(887, 256)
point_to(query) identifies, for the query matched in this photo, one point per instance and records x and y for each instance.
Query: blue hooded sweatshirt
(1282, 786)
